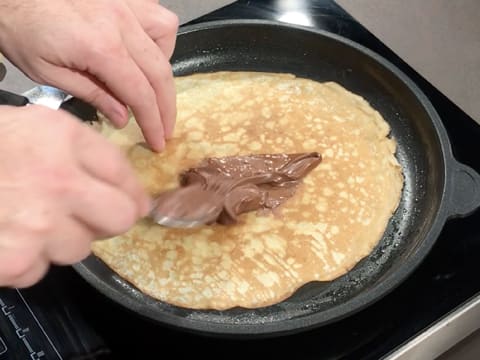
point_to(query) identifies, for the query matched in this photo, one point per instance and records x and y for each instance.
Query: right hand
(62, 185)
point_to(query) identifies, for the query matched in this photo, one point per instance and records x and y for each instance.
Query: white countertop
(440, 39)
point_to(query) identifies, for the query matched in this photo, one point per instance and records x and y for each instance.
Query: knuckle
(78, 251)
(31, 277)
(126, 218)
(118, 221)
(39, 225)
(171, 22)
(35, 226)
(71, 245)
(166, 74)
(120, 11)
(116, 164)
(96, 96)
(17, 266)
(85, 250)
(147, 97)
(156, 19)
(60, 181)
(103, 48)
(106, 41)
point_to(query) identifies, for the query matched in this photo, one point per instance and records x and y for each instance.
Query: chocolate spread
(220, 189)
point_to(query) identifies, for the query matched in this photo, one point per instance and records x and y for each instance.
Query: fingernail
(168, 133)
(160, 146)
(169, 130)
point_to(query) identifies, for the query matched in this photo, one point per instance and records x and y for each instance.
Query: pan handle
(464, 190)
(74, 106)
(9, 98)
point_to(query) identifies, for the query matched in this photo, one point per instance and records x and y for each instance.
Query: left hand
(110, 53)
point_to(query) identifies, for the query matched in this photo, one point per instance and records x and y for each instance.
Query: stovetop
(64, 318)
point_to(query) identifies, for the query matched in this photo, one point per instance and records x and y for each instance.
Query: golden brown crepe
(335, 218)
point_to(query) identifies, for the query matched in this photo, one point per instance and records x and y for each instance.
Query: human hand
(110, 53)
(62, 185)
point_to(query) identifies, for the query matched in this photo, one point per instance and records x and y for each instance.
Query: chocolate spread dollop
(220, 189)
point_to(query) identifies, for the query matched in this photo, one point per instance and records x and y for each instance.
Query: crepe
(336, 217)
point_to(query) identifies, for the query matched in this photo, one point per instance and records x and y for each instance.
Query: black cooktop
(64, 318)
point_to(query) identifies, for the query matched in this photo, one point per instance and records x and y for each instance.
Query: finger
(159, 23)
(103, 208)
(70, 242)
(121, 75)
(21, 268)
(104, 161)
(83, 86)
(34, 274)
(158, 71)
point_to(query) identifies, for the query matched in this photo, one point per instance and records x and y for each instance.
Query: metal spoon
(199, 204)
(186, 207)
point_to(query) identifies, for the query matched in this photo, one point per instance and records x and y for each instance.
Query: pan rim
(343, 310)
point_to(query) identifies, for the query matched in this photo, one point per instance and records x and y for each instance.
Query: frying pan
(437, 187)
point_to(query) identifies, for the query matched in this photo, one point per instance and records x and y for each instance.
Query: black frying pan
(437, 187)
